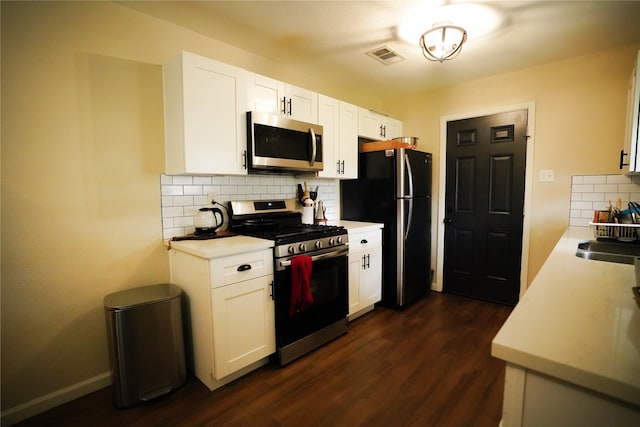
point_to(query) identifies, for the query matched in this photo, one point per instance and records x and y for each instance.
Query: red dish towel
(300, 284)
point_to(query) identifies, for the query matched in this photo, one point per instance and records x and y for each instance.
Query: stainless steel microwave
(281, 144)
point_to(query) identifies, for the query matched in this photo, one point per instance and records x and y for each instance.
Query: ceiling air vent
(386, 55)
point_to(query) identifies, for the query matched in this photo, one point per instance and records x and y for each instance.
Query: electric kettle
(208, 220)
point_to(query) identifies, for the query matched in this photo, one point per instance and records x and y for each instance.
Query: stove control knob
(339, 239)
(332, 241)
(318, 244)
(291, 249)
(302, 247)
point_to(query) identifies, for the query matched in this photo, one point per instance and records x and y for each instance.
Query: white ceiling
(335, 35)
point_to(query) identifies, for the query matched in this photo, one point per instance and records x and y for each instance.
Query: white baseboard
(57, 398)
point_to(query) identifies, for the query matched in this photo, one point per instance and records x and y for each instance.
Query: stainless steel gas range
(309, 260)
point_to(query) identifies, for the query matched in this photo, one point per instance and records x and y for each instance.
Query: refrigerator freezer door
(418, 165)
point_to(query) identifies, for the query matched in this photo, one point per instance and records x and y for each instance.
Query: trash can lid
(143, 295)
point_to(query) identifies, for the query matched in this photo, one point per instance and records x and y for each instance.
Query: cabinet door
(371, 277)
(205, 104)
(393, 128)
(355, 267)
(243, 324)
(376, 126)
(369, 124)
(632, 130)
(348, 141)
(329, 119)
(302, 104)
(267, 95)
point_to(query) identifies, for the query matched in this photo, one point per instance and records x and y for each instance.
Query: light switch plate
(547, 175)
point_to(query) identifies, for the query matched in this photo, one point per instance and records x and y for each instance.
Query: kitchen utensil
(208, 220)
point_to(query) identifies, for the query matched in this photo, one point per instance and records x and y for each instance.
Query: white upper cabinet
(339, 121)
(204, 108)
(377, 126)
(631, 152)
(271, 96)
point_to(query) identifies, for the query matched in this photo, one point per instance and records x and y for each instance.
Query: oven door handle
(331, 254)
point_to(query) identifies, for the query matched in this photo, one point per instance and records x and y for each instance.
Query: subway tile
(172, 190)
(201, 200)
(202, 180)
(255, 189)
(237, 180)
(582, 188)
(579, 222)
(592, 197)
(605, 188)
(618, 179)
(229, 189)
(575, 213)
(183, 201)
(192, 190)
(172, 211)
(579, 179)
(182, 180)
(628, 188)
(166, 201)
(595, 179)
(582, 205)
(166, 179)
(220, 180)
(183, 221)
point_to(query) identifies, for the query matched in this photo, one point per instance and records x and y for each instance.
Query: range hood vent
(386, 55)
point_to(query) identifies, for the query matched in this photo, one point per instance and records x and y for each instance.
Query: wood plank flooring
(428, 365)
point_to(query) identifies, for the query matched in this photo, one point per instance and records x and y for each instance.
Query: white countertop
(578, 322)
(352, 226)
(224, 246)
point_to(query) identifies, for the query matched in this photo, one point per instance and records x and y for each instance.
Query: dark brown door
(484, 203)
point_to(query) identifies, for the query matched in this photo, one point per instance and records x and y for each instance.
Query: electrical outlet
(212, 197)
(547, 175)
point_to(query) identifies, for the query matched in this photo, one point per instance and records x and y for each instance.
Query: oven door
(276, 142)
(329, 287)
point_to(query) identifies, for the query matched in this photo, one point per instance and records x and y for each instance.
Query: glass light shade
(442, 42)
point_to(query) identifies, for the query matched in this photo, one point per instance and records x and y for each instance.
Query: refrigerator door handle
(409, 216)
(409, 174)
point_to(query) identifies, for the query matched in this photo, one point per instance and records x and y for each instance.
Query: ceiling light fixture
(443, 41)
(429, 19)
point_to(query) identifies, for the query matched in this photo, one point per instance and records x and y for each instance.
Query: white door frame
(526, 226)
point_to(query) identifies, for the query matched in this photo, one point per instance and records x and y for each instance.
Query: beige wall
(82, 151)
(580, 110)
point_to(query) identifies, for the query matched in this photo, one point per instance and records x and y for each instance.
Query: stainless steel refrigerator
(394, 188)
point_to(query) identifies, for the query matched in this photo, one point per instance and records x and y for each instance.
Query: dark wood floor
(429, 365)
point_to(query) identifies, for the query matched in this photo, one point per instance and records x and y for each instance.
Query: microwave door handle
(313, 147)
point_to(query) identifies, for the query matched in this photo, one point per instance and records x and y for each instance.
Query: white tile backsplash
(593, 192)
(183, 195)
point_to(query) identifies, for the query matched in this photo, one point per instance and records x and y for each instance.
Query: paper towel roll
(307, 215)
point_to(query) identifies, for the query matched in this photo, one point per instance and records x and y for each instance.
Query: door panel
(484, 205)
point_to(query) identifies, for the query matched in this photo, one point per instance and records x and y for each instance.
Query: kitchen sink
(610, 251)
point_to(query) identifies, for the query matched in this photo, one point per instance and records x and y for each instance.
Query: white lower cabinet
(534, 399)
(365, 271)
(231, 312)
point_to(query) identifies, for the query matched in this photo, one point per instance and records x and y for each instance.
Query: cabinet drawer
(239, 267)
(363, 240)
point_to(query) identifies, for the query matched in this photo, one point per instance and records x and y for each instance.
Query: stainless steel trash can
(146, 343)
